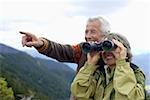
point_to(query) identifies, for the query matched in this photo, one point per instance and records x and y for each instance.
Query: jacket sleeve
(63, 53)
(84, 84)
(127, 83)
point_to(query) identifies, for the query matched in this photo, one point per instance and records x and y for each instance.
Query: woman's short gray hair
(105, 26)
(124, 41)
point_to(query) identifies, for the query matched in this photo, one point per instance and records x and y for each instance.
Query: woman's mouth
(108, 56)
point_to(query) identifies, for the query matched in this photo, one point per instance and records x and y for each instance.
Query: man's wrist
(43, 46)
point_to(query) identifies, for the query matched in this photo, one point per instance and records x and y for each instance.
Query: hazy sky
(64, 21)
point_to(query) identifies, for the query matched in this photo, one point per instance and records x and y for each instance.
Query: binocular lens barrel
(106, 45)
(86, 47)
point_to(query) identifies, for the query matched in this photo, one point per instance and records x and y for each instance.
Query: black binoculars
(106, 45)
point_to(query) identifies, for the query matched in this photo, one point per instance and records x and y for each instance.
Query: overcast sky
(64, 21)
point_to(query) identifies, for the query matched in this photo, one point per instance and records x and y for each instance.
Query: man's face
(93, 31)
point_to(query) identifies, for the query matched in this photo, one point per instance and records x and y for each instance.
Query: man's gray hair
(105, 26)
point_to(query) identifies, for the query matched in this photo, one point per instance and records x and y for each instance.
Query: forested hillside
(33, 77)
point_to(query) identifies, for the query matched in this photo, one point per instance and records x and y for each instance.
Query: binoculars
(106, 45)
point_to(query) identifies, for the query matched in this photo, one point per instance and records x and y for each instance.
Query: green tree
(5, 92)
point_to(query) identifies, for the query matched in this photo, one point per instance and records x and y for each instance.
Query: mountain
(36, 78)
(35, 53)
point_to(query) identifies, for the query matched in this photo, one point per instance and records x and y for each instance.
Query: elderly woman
(120, 79)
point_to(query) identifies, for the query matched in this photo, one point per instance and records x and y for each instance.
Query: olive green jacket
(124, 83)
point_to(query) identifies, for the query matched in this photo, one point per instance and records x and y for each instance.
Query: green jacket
(124, 83)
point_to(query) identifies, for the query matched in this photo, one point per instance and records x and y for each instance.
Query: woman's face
(110, 56)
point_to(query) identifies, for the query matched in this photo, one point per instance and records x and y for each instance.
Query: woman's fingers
(121, 51)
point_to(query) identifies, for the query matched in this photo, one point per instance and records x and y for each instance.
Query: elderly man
(96, 28)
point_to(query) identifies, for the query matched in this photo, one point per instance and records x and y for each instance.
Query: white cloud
(133, 21)
(64, 21)
(90, 8)
(32, 10)
(43, 19)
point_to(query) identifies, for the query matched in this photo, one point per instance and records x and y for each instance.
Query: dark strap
(112, 94)
(133, 66)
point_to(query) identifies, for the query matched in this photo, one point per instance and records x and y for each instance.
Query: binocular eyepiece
(106, 45)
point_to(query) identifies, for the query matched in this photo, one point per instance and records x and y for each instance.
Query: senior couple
(100, 75)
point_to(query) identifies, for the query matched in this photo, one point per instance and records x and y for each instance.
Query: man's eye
(93, 31)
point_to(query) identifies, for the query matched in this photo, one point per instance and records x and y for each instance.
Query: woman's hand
(93, 57)
(120, 52)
